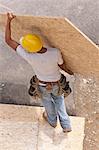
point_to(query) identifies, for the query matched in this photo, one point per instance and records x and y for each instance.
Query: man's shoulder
(22, 52)
(52, 49)
(19, 48)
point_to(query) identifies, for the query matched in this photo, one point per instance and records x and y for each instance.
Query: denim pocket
(42, 89)
(55, 90)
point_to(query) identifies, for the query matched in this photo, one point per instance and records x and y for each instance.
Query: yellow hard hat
(31, 43)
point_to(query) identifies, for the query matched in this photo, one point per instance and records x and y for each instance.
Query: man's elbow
(62, 66)
(8, 41)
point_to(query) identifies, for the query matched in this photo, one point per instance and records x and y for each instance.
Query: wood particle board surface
(81, 55)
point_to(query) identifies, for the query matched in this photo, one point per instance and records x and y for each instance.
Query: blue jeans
(55, 106)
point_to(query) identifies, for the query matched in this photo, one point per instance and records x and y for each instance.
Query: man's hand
(63, 67)
(10, 16)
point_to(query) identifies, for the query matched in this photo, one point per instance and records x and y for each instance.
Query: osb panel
(80, 54)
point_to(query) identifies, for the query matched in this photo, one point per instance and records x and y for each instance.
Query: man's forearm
(8, 31)
(12, 43)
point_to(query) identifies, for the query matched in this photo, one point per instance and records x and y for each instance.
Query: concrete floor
(23, 128)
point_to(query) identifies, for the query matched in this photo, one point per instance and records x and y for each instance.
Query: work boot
(46, 118)
(67, 130)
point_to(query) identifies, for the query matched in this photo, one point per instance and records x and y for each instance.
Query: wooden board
(81, 55)
(23, 128)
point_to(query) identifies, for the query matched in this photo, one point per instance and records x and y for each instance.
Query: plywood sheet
(81, 55)
(23, 128)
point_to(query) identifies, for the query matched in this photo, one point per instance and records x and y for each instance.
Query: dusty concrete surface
(86, 93)
(23, 128)
(14, 75)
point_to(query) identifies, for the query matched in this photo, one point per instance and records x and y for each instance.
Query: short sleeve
(21, 51)
(60, 59)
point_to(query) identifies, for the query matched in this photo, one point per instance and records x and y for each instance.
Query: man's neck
(43, 50)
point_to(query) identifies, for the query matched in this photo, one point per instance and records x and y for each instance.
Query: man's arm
(13, 44)
(63, 67)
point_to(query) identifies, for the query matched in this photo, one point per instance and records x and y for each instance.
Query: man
(46, 63)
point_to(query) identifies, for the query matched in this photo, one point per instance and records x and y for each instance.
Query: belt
(44, 82)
